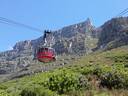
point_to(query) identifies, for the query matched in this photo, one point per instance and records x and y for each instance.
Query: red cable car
(46, 54)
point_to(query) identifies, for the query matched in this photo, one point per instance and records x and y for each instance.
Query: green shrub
(65, 81)
(3, 87)
(36, 91)
(101, 69)
(97, 71)
(112, 80)
(4, 93)
(126, 65)
(87, 70)
(120, 58)
(27, 92)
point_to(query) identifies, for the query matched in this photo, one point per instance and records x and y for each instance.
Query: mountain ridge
(84, 36)
(23, 52)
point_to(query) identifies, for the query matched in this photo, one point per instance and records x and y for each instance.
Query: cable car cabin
(46, 54)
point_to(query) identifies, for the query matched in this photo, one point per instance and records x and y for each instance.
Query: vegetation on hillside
(98, 74)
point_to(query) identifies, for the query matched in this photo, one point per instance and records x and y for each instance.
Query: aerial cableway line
(15, 23)
(44, 52)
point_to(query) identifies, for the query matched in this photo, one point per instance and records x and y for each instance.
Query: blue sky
(52, 14)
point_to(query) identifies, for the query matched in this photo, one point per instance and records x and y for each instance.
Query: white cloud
(10, 48)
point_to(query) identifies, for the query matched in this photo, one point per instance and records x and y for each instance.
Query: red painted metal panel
(46, 55)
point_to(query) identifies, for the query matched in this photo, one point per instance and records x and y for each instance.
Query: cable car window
(51, 51)
(38, 50)
(42, 49)
(46, 49)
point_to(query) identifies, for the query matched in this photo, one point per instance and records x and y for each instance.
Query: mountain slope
(114, 33)
(97, 70)
(71, 74)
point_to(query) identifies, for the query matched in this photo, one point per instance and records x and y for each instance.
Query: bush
(38, 91)
(87, 70)
(120, 58)
(126, 65)
(27, 92)
(112, 80)
(4, 93)
(101, 69)
(65, 81)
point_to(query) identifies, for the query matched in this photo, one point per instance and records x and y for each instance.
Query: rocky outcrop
(23, 45)
(114, 33)
(71, 39)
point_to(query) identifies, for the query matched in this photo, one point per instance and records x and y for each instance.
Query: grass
(93, 75)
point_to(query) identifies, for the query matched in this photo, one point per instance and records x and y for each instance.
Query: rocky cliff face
(114, 33)
(72, 39)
